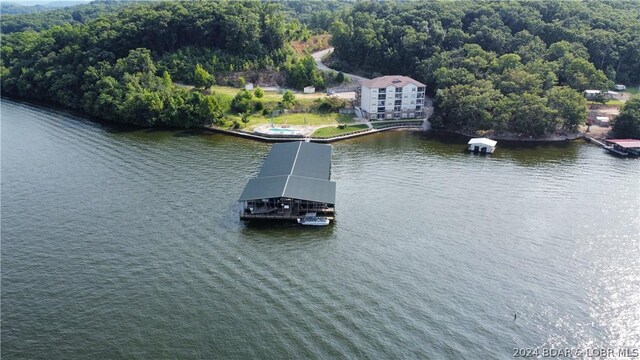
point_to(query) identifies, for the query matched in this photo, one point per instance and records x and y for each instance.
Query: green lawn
(633, 90)
(331, 131)
(270, 97)
(608, 103)
(380, 124)
(311, 119)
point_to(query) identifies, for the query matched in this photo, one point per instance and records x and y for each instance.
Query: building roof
(625, 143)
(298, 170)
(602, 118)
(482, 141)
(390, 80)
(592, 91)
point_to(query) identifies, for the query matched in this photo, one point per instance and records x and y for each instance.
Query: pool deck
(268, 130)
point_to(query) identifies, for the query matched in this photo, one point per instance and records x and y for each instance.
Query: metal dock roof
(297, 170)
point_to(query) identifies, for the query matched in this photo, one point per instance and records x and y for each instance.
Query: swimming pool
(283, 131)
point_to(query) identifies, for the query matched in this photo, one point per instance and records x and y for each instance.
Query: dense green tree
(523, 49)
(106, 60)
(201, 78)
(288, 99)
(468, 106)
(241, 103)
(627, 124)
(569, 104)
(303, 72)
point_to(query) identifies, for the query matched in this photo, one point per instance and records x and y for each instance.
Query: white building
(309, 90)
(592, 94)
(482, 145)
(391, 97)
(602, 121)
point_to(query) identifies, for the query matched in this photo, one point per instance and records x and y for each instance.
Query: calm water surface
(127, 244)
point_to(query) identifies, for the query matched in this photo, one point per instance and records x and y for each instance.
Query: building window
(389, 116)
(412, 115)
(421, 88)
(413, 89)
(384, 90)
(404, 115)
(398, 90)
(396, 108)
(419, 101)
(381, 109)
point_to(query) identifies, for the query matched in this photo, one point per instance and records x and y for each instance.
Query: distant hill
(27, 7)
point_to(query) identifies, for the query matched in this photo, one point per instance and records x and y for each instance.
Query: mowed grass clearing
(331, 131)
(310, 119)
(269, 96)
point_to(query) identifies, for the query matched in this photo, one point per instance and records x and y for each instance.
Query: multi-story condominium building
(391, 97)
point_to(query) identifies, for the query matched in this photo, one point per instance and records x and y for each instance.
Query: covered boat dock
(294, 180)
(623, 147)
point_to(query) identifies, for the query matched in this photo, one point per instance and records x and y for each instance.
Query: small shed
(248, 86)
(309, 90)
(601, 121)
(482, 145)
(620, 87)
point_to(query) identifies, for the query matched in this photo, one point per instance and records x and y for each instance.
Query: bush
(288, 99)
(258, 106)
(330, 104)
(241, 102)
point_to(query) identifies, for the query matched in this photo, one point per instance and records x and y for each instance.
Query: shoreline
(211, 128)
(553, 138)
(284, 138)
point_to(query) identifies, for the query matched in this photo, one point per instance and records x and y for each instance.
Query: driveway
(318, 55)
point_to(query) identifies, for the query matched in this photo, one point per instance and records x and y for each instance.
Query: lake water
(127, 244)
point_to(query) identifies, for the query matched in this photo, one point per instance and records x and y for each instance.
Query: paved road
(317, 56)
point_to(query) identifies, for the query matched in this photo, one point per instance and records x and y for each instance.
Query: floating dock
(294, 180)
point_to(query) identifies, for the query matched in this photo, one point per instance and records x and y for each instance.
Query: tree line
(120, 63)
(516, 66)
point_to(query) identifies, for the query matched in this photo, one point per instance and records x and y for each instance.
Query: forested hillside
(513, 66)
(119, 66)
(17, 18)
